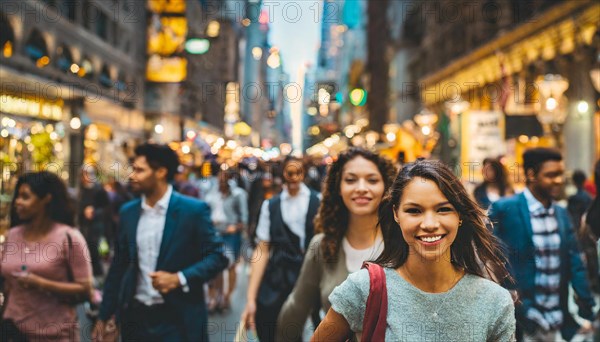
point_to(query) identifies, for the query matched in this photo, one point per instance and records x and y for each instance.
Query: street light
(426, 118)
(426, 121)
(552, 105)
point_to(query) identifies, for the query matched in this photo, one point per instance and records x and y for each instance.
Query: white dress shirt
(293, 212)
(149, 237)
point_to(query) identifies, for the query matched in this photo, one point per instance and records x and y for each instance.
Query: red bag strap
(375, 320)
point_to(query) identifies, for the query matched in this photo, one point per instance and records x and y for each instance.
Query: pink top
(42, 315)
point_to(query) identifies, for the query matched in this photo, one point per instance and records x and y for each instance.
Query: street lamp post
(552, 111)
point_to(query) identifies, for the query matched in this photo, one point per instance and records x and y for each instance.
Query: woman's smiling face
(428, 221)
(361, 186)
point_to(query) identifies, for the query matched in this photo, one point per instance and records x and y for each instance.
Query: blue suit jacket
(512, 225)
(189, 244)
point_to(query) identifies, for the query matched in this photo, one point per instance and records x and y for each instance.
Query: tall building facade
(493, 71)
(71, 86)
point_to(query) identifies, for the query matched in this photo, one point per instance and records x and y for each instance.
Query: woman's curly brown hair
(332, 218)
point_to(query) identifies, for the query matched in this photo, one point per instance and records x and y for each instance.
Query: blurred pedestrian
(183, 185)
(260, 191)
(229, 214)
(579, 202)
(438, 259)
(94, 214)
(117, 196)
(350, 235)
(166, 250)
(495, 183)
(209, 181)
(544, 255)
(591, 222)
(284, 231)
(44, 263)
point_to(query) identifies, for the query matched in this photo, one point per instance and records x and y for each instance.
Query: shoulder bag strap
(70, 275)
(375, 320)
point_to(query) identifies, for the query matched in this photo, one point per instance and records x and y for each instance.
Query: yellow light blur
(274, 61)
(7, 50)
(213, 28)
(246, 22)
(75, 123)
(173, 69)
(314, 130)
(257, 53)
(523, 139)
(551, 104)
(74, 68)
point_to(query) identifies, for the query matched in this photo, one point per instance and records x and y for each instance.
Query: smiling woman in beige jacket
(354, 187)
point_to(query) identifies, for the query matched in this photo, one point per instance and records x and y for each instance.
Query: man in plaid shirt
(542, 250)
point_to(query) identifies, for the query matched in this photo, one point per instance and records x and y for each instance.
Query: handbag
(375, 320)
(74, 299)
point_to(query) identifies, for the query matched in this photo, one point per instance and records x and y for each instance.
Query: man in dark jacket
(166, 250)
(543, 253)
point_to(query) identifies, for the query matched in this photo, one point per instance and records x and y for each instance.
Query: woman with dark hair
(285, 228)
(45, 263)
(438, 254)
(347, 219)
(495, 183)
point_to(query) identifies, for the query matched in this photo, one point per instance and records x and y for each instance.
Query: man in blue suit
(166, 250)
(542, 251)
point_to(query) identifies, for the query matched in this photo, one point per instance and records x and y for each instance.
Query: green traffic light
(358, 97)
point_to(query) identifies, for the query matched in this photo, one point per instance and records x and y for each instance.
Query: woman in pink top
(45, 263)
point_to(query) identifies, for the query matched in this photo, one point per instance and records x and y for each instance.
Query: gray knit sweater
(475, 309)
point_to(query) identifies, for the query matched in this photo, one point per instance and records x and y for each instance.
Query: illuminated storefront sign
(167, 31)
(28, 107)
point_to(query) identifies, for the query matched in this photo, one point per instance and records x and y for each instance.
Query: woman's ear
(394, 210)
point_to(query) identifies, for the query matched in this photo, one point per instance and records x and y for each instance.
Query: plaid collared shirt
(546, 239)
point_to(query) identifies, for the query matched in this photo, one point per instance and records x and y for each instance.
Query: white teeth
(431, 238)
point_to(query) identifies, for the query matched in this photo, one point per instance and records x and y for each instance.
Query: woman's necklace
(439, 307)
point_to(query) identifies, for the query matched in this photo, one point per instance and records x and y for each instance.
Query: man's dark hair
(536, 157)
(579, 178)
(159, 156)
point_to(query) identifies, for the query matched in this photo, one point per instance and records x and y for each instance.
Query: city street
(452, 145)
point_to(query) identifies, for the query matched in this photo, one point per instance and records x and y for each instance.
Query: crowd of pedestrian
(360, 249)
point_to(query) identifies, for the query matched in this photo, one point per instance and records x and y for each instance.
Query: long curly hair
(60, 209)
(475, 249)
(332, 218)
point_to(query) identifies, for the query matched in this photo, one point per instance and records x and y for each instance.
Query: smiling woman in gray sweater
(354, 188)
(438, 254)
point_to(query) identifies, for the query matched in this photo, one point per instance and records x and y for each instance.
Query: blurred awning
(517, 125)
(551, 33)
